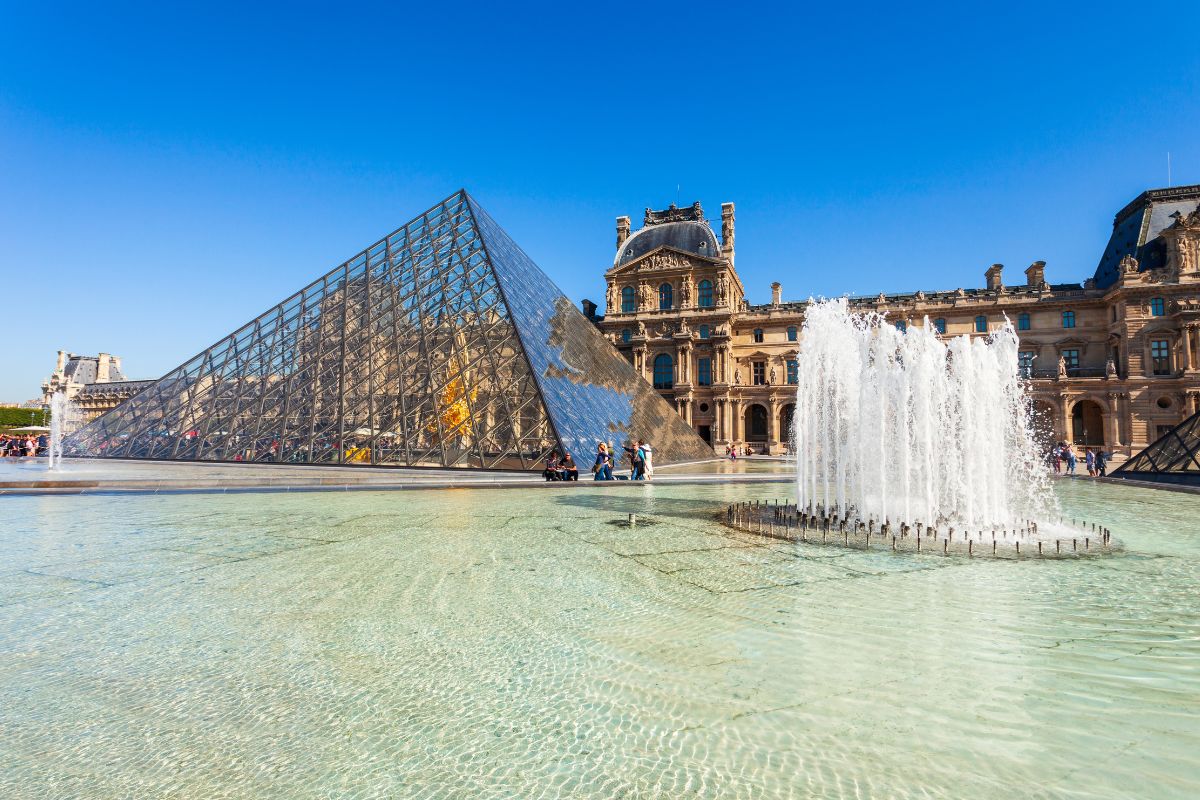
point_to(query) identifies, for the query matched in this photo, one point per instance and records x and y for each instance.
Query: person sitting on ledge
(567, 468)
(551, 471)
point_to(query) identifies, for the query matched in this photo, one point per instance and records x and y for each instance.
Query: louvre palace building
(1112, 361)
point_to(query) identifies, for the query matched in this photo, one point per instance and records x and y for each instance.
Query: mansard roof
(687, 236)
(1137, 226)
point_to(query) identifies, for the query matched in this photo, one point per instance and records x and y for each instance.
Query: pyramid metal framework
(442, 345)
(1172, 458)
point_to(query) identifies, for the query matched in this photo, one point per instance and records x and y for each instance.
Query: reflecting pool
(516, 643)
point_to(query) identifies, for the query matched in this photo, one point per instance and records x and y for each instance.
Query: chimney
(102, 368)
(727, 232)
(1035, 274)
(993, 275)
(622, 230)
(776, 293)
(116, 361)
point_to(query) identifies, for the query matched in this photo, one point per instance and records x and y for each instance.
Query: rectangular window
(1158, 307)
(1025, 361)
(760, 372)
(1023, 322)
(981, 324)
(1071, 357)
(1068, 319)
(793, 376)
(704, 372)
(1160, 354)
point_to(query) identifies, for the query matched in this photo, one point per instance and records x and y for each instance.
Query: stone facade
(1112, 362)
(94, 383)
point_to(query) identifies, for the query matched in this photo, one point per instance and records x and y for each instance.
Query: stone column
(1188, 357)
(1111, 424)
(773, 424)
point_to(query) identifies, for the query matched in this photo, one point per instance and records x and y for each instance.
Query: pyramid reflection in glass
(443, 345)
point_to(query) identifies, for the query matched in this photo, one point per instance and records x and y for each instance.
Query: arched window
(939, 324)
(792, 333)
(664, 372)
(1068, 319)
(666, 297)
(1023, 322)
(981, 324)
(628, 303)
(1158, 307)
(758, 335)
(626, 335)
(902, 326)
(705, 297)
(703, 331)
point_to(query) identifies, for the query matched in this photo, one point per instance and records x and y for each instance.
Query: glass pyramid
(443, 345)
(1174, 457)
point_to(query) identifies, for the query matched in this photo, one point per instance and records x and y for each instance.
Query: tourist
(1101, 463)
(733, 452)
(1057, 453)
(567, 469)
(550, 473)
(647, 456)
(1090, 458)
(1071, 460)
(602, 469)
(635, 462)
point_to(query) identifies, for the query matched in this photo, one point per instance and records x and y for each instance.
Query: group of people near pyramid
(641, 463)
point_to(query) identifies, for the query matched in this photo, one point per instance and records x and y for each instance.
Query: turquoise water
(483, 643)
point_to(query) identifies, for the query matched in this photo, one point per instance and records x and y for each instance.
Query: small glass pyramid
(443, 345)
(1174, 456)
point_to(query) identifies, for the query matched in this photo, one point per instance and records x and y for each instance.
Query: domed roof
(690, 237)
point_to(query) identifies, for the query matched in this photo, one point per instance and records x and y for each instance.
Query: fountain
(65, 418)
(905, 439)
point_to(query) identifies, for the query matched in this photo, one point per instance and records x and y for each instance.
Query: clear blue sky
(167, 172)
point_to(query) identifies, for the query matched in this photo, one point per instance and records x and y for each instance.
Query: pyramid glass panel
(442, 345)
(1173, 457)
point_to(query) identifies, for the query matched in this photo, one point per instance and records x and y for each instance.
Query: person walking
(1090, 458)
(647, 456)
(1071, 460)
(636, 467)
(602, 469)
(1101, 463)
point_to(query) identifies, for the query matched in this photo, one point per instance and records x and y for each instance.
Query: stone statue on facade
(684, 327)
(737, 377)
(1062, 366)
(644, 296)
(610, 298)
(722, 290)
(641, 329)
(771, 377)
(685, 292)
(1110, 369)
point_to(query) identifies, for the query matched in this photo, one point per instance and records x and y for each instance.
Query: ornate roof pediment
(663, 258)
